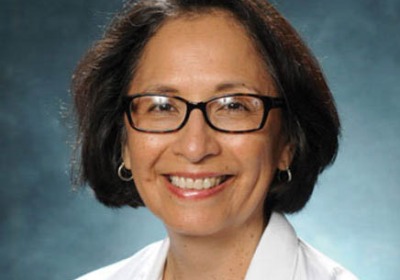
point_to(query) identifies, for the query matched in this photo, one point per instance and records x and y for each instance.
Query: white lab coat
(280, 255)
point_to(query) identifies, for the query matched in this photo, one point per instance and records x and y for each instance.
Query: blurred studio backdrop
(49, 231)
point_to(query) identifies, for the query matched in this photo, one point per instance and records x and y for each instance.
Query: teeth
(197, 184)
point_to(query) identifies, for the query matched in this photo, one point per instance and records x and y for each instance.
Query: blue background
(49, 231)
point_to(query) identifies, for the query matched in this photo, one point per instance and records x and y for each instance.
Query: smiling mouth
(197, 184)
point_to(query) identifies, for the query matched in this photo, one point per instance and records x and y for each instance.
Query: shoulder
(316, 265)
(134, 267)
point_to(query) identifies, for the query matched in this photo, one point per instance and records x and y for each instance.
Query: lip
(192, 194)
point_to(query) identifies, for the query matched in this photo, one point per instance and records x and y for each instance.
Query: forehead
(192, 45)
(197, 30)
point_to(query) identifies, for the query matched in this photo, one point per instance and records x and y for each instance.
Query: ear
(286, 156)
(126, 156)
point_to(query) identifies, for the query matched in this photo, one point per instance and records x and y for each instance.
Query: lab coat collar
(275, 256)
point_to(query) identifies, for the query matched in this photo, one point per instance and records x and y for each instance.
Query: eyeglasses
(232, 113)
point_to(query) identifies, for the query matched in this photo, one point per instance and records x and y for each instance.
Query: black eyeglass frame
(268, 102)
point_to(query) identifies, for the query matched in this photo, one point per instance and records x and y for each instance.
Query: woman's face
(198, 58)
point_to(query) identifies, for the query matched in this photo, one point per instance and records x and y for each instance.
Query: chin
(196, 226)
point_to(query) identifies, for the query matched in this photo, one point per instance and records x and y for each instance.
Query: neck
(221, 256)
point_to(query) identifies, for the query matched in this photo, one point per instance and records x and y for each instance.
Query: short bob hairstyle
(103, 75)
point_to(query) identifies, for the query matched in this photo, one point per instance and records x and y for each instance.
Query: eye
(163, 107)
(239, 106)
(155, 105)
(236, 106)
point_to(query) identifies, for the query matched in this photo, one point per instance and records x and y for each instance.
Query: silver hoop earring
(285, 176)
(122, 171)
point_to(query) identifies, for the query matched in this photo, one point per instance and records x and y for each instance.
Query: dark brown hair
(103, 75)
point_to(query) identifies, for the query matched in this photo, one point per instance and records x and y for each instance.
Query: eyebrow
(235, 85)
(160, 89)
(219, 88)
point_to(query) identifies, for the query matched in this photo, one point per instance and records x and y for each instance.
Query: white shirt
(280, 255)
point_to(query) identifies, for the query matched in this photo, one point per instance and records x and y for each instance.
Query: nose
(196, 141)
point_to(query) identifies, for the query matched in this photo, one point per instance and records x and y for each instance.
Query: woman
(215, 116)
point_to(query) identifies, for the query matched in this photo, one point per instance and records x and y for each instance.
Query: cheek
(253, 149)
(144, 150)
